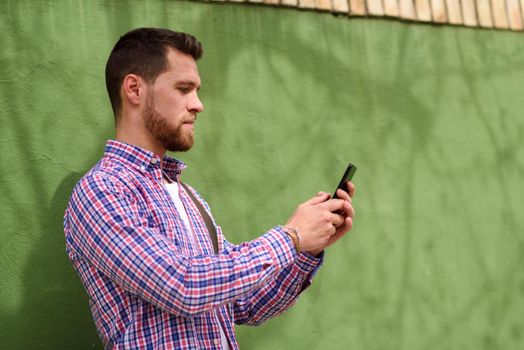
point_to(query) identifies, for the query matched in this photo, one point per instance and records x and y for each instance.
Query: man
(138, 237)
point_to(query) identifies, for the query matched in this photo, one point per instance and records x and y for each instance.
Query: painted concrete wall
(432, 116)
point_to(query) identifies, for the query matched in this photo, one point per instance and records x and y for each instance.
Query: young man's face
(172, 103)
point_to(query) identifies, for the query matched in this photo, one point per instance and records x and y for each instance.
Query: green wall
(432, 116)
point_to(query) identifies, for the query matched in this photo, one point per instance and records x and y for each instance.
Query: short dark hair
(142, 51)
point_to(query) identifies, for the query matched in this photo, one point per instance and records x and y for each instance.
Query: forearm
(279, 294)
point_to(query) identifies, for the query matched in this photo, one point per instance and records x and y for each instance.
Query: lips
(189, 124)
(191, 121)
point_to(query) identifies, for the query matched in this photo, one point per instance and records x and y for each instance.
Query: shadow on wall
(40, 104)
(54, 304)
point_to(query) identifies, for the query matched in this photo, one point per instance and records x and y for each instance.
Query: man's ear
(133, 89)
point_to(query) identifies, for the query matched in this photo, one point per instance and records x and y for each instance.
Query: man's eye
(184, 90)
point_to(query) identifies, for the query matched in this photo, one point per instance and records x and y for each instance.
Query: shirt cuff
(308, 263)
(280, 246)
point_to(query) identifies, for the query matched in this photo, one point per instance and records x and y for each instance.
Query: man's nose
(195, 105)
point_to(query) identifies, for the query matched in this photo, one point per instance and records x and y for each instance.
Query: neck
(141, 139)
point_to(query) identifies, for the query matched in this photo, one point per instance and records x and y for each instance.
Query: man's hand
(348, 217)
(322, 221)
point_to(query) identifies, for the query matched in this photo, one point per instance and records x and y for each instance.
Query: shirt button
(154, 160)
(215, 341)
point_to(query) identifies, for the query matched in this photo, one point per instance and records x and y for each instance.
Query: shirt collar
(143, 159)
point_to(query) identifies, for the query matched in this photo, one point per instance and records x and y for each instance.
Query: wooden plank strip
(484, 13)
(438, 11)
(514, 14)
(324, 5)
(358, 7)
(454, 14)
(340, 6)
(522, 7)
(391, 8)
(469, 13)
(375, 7)
(500, 16)
(423, 10)
(407, 9)
(306, 4)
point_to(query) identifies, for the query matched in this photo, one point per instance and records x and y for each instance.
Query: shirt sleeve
(107, 229)
(279, 293)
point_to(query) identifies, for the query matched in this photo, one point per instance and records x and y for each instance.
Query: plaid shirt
(149, 286)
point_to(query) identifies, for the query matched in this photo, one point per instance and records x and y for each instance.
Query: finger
(351, 188)
(332, 230)
(319, 198)
(348, 225)
(341, 231)
(337, 220)
(343, 195)
(334, 204)
(349, 210)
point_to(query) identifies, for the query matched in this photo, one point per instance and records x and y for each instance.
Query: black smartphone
(348, 175)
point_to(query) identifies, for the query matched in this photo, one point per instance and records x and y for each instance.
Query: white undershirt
(173, 190)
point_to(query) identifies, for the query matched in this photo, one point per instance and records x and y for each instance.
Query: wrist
(315, 253)
(294, 234)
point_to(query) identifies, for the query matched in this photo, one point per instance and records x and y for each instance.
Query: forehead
(180, 67)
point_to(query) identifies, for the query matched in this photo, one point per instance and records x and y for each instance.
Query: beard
(172, 138)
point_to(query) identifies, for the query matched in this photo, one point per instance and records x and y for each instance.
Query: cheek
(170, 106)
